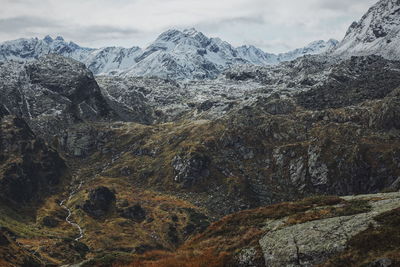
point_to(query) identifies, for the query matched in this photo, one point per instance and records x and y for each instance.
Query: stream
(68, 218)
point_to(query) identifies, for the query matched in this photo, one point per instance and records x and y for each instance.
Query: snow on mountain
(111, 59)
(101, 60)
(187, 54)
(378, 32)
(314, 48)
(29, 49)
(256, 56)
(191, 54)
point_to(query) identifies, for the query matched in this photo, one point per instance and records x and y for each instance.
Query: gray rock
(191, 168)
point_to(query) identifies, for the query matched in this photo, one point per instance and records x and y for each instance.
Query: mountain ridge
(176, 54)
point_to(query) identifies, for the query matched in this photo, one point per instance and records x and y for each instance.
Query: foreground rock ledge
(314, 242)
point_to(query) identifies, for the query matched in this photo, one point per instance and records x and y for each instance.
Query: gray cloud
(274, 25)
(37, 26)
(21, 24)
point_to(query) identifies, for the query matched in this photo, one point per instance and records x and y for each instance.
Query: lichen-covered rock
(314, 242)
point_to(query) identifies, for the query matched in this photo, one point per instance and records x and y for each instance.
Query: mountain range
(175, 54)
(189, 54)
(292, 163)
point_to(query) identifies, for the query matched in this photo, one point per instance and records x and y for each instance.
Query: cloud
(273, 25)
(21, 24)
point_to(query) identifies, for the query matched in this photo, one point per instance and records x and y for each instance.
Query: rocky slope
(30, 172)
(323, 231)
(269, 151)
(376, 33)
(174, 54)
(168, 100)
(29, 169)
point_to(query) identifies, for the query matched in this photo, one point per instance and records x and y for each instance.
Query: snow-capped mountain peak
(378, 32)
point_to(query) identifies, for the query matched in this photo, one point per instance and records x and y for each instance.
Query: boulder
(134, 212)
(100, 202)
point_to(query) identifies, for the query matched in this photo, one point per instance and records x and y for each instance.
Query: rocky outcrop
(190, 169)
(100, 201)
(52, 93)
(81, 140)
(314, 242)
(134, 212)
(29, 169)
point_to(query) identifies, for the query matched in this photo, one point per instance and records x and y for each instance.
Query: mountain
(314, 48)
(378, 32)
(101, 60)
(187, 54)
(52, 93)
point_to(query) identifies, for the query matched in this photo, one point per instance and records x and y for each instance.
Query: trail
(68, 218)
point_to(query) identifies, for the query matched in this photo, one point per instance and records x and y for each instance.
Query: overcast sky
(273, 25)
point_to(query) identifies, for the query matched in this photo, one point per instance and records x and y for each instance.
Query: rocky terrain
(319, 231)
(291, 164)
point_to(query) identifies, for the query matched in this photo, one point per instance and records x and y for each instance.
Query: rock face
(100, 201)
(29, 169)
(376, 33)
(314, 242)
(52, 93)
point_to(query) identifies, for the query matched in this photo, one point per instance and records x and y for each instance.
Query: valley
(174, 156)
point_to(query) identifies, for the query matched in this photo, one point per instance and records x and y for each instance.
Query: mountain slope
(378, 32)
(314, 48)
(318, 231)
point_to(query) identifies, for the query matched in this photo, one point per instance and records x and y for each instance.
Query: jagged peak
(59, 38)
(48, 39)
(191, 31)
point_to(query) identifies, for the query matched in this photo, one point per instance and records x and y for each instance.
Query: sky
(272, 25)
